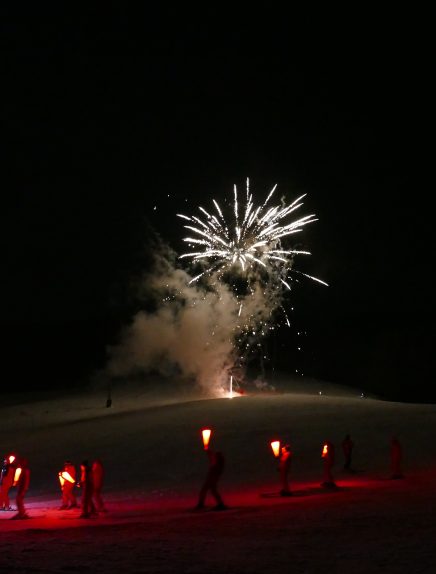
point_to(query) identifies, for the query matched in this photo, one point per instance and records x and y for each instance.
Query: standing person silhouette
(347, 449)
(88, 508)
(97, 484)
(328, 456)
(216, 468)
(67, 478)
(6, 482)
(22, 487)
(284, 467)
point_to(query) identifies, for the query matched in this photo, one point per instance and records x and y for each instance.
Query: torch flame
(65, 477)
(275, 445)
(206, 437)
(11, 458)
(325, 451)
(17, 476)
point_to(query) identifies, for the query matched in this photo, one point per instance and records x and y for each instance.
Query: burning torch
(64, 477)
(206, 434)
(275, 446)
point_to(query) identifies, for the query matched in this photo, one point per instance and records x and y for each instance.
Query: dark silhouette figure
(22, 487)
(97, 483)
(216, 468)
(396, 458)
(284, 467)
(6, 482)
(67, 478)
(347, 448)
(88, 508)
(328, 456)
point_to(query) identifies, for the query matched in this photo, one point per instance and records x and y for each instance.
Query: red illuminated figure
(67, 480)
(284, 467)
(88, 508)
(97, 484)
(328, 456)
(21, 481)
(7, 481)
(216, 468)
(396, 458)
(347, 449)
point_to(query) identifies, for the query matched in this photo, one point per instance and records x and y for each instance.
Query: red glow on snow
(206, 437)
(275, 445)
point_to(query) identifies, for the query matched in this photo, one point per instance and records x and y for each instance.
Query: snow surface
(150, 443)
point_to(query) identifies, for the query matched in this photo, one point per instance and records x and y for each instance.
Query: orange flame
(206, 437)
(11, 458)
(325, 451)
(17, 476)
(275, 445)
(65, 476)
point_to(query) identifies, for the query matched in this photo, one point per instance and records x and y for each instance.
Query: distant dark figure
(396, 458)
(88, 508)
(284, 467)
(347, 448)
(67, 479)
(216, 468)
(328, 456)
(97, 483)
(6, 482)
(22, 485)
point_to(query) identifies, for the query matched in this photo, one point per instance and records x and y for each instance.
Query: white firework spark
(252, 243)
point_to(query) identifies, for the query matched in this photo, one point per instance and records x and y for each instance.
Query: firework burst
(252, 245)
(252, 256)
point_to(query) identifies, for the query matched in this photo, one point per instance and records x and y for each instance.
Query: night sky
(114, 119)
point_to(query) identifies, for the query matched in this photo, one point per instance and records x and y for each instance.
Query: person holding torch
(216, 468)
(67, 480)
(328, 456)
(21, 481)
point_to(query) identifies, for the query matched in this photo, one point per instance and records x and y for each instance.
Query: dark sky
(110, 112)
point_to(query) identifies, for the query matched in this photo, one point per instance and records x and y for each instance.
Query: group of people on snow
(91, 484)
(15, 473)
(328, 456)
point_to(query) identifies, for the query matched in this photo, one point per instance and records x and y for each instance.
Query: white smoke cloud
(192, 329)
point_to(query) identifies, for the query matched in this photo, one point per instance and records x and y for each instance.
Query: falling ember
(206, 437)
(275, 445)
